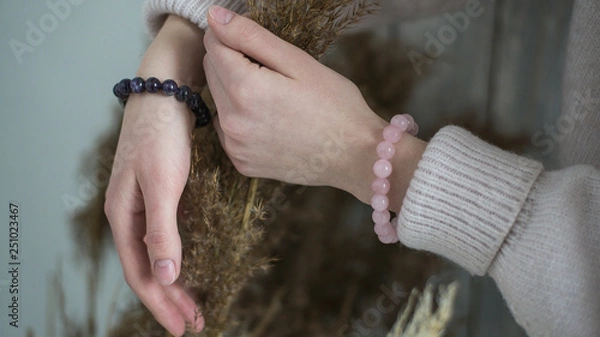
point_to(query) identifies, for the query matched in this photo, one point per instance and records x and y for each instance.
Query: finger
(219, 130)
(236, 85)
(140, 278)
(215, 84)
(162, 191)
(185, 303)
(234, 65)
(128, 226)
(222, 137)
(248, 37)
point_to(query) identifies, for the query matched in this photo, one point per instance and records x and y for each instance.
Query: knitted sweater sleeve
(156, 11)
(536, 232)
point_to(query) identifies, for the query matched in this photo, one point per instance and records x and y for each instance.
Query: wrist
(176, 53)
(355, 173)
(405, 162)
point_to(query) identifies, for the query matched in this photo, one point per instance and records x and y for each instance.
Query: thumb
(162, 236)
(243, 34)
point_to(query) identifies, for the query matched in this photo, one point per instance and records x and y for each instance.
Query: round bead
(137, 85)
(392, 134)
(415, 130)
(382, 168)
(194, 101)
(202, 109)
(169, 87)
(202, 121)
(117, 91)
(153, 85)
(202, 113)
(402, 122)
(383, 229)
(124, 89)
(381, 217)
(386, 150)
(380, 202)
(411, 121)
(380, 186)
(183, 93)
(199, 109)
(389, 239)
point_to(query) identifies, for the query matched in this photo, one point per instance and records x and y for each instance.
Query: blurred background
(497, 72)
(56, 94)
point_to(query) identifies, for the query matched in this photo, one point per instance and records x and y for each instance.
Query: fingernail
(165, 271)
(220, 14)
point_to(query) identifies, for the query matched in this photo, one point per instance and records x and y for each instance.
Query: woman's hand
(149, 174)
(290, 118)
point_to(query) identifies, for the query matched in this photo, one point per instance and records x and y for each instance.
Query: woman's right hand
(290, 118)
(149, 174)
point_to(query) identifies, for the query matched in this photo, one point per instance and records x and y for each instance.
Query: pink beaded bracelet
(385, 227)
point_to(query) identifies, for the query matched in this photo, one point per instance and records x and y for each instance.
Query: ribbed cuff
(464, 198)
(156, 11)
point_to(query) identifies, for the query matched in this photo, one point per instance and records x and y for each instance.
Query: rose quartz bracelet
(385, 227)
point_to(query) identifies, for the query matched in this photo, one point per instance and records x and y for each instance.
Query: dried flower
(315, 284)
(221, 207)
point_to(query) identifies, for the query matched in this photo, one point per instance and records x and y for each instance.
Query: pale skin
(272, 119)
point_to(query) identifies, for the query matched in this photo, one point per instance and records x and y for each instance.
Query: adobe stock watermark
(145, 129)
(90, 186)
(36, 32)
(436, 44)
(335, 146)
(552, 135)
(389, 301)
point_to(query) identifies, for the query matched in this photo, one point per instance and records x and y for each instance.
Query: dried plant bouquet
(267, 259)
(220, 226)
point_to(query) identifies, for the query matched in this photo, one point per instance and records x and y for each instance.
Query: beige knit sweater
(536, 232)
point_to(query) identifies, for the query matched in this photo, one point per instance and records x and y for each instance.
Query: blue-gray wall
(55, 101)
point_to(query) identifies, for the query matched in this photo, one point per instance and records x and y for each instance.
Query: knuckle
(157, 240)
(243, 91)
(235, 153)
(205, 62)
(244, 168)
(234, 128)
(207, 38)
(108, 209)
(227, 124)
(109, 204)
(250, 32)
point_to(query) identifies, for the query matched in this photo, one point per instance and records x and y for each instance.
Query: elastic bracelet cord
(138, 85)
(385, 227)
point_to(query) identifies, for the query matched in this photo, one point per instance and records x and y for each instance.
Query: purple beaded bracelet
(152, 85)
(385, 227)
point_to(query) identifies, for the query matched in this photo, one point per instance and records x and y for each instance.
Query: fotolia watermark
(552, 135)
(435, 45)
(36, 32)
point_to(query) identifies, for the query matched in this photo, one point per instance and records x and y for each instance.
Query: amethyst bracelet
(138, 85)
